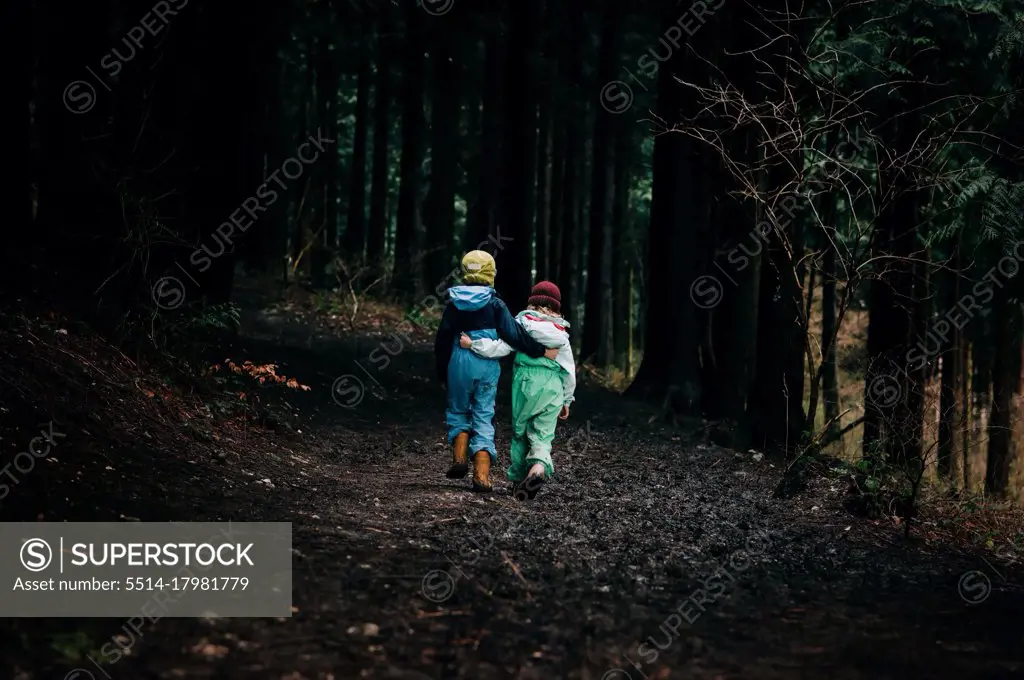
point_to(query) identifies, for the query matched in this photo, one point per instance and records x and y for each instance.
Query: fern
(964, 199)
(1011, 40)
(1001, 216)
(224, 316)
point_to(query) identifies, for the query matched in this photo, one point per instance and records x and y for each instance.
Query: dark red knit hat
(546, 294)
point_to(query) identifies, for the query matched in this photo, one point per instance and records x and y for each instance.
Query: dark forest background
(796, 225)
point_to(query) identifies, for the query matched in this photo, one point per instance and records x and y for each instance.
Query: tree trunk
(894, 394)
(377, 231)
(17, 192)
(581, 205)
(638, 338)
(622, 247)
(597, 329)
(482, 218)
(777, 412)
(916, 379)
(328, 77)
(733, 318)
(1007, 420)
(569, 247)
(440, 213)
(542, 248)
(888, 426)
(830, 326)
(70, 199)
(272, 227)
(310, 214)
(471, 158)
(408, 278)
(976, 450)
(731, 288)
(263, 246)
(520, 149)
(670, 366)
(952, 411)
(355, 228)
(812, 369)
(556, 212)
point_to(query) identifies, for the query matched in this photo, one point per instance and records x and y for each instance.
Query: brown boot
(460, 456)
(482, 471)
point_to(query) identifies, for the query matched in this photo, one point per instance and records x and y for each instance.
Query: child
(542, 388)
(471, 381)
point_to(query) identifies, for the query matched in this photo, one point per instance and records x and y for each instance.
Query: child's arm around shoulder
(488, 348)
(514, 334)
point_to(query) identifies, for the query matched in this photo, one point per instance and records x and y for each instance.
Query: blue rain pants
(472, 389)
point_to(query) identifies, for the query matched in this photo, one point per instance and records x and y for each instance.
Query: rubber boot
(529, 487)
(482, 471)
(460, 456)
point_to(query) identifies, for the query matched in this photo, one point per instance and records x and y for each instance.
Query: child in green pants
(542, 389)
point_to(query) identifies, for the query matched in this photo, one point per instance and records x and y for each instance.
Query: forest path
(642, 538)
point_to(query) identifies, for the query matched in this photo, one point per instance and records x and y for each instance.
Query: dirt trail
(401, 573)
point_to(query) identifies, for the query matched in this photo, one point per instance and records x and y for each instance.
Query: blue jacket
(478, 308)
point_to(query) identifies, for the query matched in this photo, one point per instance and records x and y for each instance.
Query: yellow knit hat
(478, 268)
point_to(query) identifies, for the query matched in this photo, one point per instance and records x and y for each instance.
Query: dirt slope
(644, 538)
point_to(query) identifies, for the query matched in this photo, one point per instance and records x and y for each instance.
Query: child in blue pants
(471, 380)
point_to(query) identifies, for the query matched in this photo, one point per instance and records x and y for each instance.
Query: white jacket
(550, 331)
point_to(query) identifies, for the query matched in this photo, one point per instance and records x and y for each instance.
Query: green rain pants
(537, 400)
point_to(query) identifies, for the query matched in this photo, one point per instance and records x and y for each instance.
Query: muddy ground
(646, 537)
